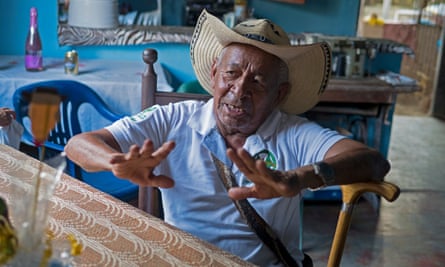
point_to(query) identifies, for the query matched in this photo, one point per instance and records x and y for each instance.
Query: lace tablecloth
(112, 232)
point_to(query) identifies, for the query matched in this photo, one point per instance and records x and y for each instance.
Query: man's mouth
(234, 109)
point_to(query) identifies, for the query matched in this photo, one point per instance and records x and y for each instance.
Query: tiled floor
(407, 232)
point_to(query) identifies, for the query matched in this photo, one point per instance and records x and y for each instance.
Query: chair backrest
(74, 95)
(149, 199)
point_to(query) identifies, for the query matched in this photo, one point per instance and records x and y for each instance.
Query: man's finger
(160, 181)
(147, 148)
(238, 193)
(162, 152)
(133, 153)
(234, 157)
(117, 158)
(247, 159)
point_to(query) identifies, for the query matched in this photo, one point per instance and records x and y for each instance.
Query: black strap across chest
(253, 219)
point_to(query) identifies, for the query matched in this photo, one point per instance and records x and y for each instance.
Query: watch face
(325, 171)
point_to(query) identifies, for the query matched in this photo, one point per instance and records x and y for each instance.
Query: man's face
(247, 86)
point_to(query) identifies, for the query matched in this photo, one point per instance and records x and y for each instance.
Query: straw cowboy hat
(309, 65)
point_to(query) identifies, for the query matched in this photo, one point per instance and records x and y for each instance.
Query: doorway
(419, 25)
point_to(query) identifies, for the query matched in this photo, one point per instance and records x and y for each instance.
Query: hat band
(259, 38)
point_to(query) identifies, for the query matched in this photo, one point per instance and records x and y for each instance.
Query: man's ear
(213, 73)
(283, 91)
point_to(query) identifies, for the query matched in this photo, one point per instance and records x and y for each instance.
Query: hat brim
(309, 65)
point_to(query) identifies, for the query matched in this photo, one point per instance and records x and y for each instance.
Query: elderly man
(245, 143)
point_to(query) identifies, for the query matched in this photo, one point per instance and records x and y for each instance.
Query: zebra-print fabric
(125, 35)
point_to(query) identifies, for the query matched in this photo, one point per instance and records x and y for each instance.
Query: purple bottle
(33, 46)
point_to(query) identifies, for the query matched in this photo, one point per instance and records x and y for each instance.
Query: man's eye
(229, 73)
(259, 81)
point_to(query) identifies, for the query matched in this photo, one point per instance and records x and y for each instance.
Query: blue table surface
(117, 82)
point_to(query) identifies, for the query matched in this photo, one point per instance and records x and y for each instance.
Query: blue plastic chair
(74, 95)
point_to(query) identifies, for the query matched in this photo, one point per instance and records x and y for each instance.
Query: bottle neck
(33, 17)
(33, 22)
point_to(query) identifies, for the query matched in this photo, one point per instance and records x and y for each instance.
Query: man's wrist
(313, 177)
(289, 178)
(325, 173)
(307, 178)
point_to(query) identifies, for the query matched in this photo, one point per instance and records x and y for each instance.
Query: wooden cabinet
(361, 109)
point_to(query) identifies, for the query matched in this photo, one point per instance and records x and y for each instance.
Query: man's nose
(240, 87)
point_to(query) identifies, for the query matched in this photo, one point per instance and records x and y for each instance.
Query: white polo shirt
(198, 203)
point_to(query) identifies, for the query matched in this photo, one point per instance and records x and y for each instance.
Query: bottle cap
(33, 11)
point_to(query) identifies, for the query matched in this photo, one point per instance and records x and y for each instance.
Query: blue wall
(332, 17)
(336, 17)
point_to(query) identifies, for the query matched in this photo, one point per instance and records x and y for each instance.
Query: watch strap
(325, 172)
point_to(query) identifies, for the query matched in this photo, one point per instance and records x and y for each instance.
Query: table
(117, 82)
(112, 232)
(364, 107)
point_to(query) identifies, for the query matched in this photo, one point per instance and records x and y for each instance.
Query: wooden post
(149, 78)
(148, 197)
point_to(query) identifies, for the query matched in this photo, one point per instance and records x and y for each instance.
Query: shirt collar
(270, 125)
(202, 120)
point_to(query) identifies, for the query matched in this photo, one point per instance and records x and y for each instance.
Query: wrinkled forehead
(260, 61)
(271, 58)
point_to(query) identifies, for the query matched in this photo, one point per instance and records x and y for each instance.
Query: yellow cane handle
(352, 192)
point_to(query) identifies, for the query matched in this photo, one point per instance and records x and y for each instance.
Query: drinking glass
(32, 189)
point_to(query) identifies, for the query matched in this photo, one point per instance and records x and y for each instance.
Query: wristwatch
(325, 172)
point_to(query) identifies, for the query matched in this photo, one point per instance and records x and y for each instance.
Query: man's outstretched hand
(267, 183)
(138, 164)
